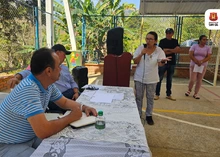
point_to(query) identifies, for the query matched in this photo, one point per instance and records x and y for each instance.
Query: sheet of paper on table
(118, 96)
(88, 93)
(102, 97)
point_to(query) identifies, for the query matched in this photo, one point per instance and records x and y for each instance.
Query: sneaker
(171, 98)
(156, 97)
(149, 120)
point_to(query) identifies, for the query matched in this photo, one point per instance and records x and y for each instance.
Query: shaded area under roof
(177, 7)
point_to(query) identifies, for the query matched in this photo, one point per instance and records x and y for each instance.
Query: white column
(49, 23)
(39, 22)
(70, 25)
(141, 29)
(216, 65)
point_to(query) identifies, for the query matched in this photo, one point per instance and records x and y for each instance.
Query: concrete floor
(186, 127)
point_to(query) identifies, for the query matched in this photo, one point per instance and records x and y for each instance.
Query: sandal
(187, 93)
(196, 96)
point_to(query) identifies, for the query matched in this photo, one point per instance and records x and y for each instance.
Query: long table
(124, 135)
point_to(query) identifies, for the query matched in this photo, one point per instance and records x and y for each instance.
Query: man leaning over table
(65, 84)
(23, 123)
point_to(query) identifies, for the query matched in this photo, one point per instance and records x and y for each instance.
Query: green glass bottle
(100, 121)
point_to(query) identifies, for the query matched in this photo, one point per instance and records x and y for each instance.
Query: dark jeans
(53, 108)
(170, 71)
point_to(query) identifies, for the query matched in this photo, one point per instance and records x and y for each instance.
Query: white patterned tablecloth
(124, 135)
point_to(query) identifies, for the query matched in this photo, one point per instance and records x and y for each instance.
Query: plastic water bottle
(100, 121)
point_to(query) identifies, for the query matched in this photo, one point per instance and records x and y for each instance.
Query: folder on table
(83, 121)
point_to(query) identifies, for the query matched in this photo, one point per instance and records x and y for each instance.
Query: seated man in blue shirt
(65, 84)
(23, 122)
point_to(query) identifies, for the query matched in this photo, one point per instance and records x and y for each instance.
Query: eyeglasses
(90, 87)
(150, 39)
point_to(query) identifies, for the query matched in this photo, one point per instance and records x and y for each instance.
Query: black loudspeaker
(115, 41)
(80, 74)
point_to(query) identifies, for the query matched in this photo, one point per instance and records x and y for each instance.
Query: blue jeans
(170, 71)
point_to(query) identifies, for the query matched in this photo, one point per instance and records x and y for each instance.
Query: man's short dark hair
(42, 59)
(169, 30)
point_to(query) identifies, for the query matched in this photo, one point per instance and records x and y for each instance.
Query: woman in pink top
(199, 54)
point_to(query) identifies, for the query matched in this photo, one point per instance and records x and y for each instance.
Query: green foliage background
(17, 29)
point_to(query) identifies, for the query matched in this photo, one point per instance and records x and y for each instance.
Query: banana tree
(99, 19)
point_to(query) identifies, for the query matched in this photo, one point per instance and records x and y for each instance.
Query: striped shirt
(29, 98)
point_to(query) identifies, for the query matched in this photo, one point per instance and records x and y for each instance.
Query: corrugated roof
(176, 7)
